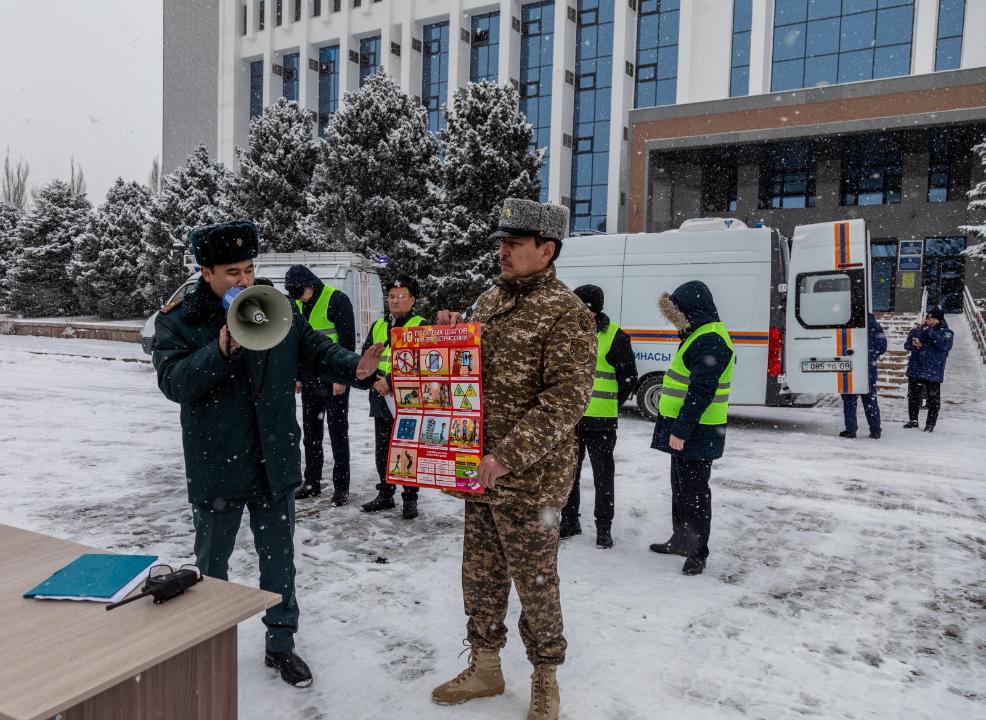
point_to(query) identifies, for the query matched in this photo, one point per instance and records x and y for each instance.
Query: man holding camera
(239, 430)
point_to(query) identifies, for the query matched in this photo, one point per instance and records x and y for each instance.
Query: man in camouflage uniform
(538, 358)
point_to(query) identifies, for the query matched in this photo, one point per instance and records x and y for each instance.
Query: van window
(831, 299)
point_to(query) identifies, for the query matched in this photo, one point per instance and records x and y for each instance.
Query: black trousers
(382, 428)
(933, 392)
(691, 506)
(318, 402)
(600, 445)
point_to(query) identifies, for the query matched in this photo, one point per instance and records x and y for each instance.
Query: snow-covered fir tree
(194, 194)
(39, 285)
(10, 216)
(487, 158)
(977, 209)
(374, 182)
(275, 169)
(105, 267)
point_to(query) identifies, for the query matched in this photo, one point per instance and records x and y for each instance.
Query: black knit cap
(297, 278)
(592, 296)
(224, 243)
(402, 281)
(937, 313)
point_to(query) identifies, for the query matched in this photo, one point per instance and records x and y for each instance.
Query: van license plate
(826, 366)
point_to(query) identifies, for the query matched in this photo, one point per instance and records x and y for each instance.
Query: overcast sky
(82, 79)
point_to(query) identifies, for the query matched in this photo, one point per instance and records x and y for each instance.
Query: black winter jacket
(706, 359)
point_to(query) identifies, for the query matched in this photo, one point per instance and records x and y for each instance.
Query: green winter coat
(233, 446)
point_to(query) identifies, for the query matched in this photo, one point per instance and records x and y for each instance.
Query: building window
(336, 5)
(788, 175)
(872, 168)
(290, 77)
(243, 11)
(261, 13)
(297, 10)
(328, 86)
(434, 73)
(484, 57)
(719, 185)
(657, 53)
(278, 12)
(369, 58)
(536, 48)
(593, 84)
(823, 42)
(256, 88)
(739, 71)
(316, 8)
(951, 20)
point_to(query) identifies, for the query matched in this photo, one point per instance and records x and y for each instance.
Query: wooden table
(77, 661)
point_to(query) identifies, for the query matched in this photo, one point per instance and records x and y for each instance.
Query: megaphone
(258, 317)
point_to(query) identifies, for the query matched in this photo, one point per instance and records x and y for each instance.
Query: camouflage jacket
(538, 357)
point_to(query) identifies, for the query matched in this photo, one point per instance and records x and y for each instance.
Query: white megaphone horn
(258, 317)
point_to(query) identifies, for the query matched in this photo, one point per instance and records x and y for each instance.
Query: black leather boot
(569, 527)
(308, 490)
(410, 509)
(380, 502)
(294, 670)
(604, 538)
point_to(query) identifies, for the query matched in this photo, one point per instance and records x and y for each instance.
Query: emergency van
(353, 274)
(796, 312)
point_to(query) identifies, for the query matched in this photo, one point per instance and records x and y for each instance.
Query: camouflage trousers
(505, 544)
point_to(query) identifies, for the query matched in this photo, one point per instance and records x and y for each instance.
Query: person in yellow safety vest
(614, 382)
(402, 293)
(330, 313)
(693, 408)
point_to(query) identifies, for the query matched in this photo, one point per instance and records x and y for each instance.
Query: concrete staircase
(891, 380)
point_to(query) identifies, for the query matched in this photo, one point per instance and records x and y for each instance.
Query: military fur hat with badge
(224, 243)
(528, 218)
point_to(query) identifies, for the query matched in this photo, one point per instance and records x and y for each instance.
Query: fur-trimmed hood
(691, 302)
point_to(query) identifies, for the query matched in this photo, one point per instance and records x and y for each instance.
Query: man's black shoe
(693, 567)
(929, 428)
(294, 670)
(875, 434)
(910, 424)
(667, 549)
(410, 509)
(848, 434)
(604, 538)
(380, 502)
(570, 528)
(307, 490)
(340, 498)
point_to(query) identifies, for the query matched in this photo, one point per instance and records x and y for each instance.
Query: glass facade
(951, 21)
(434, 73)
(256, 88)
(788, 176)
(939, 167)
(290, 77)
(823, 42)
(593, 92)
(739, 69)
(537, 36)
(369, 58)
(657, 53)
(484, 56)
(328, 86)
(872, 168)
(720, 185)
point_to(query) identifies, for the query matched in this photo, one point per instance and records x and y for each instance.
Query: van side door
(827, 350)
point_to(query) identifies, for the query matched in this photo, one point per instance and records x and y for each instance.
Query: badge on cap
(239, 242)
(508, 213)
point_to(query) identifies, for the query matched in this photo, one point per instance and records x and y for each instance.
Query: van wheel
(649, 395)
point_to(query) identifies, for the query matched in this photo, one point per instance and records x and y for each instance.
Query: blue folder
(94, 576)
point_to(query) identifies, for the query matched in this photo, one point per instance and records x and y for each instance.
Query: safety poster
(438, 394)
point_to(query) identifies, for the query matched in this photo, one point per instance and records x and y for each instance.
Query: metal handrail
(976, 322)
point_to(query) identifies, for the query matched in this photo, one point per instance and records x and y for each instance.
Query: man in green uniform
(239, 430)
(538, 359)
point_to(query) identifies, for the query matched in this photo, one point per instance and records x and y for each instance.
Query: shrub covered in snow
(10, 216)
(105, 266)
(37, 280)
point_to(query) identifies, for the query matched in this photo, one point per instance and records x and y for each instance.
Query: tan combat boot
(483, 678)
(545, 702)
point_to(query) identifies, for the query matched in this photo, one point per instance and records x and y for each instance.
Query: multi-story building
(786, 111)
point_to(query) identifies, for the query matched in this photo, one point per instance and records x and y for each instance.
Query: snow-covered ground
(846, 578)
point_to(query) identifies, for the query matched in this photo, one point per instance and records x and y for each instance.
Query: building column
(747, 191)
(231, 70)
(925, 36)
(509, 60)
(658, 193)
(624, 51)
(761, 36)
(458, 48)
(562, 106)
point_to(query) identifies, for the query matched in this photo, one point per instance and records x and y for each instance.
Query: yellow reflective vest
(318, 319)
(678, 378)
(605, 388)
(381, 334)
